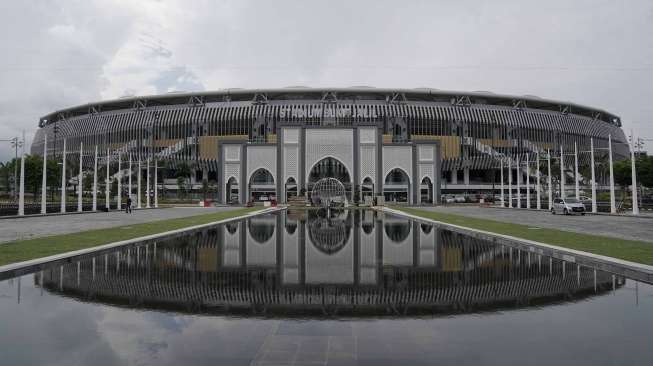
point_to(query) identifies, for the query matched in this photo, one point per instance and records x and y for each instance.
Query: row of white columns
(21, 199)
(562, 179)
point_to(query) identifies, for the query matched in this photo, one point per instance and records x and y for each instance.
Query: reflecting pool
(356, 288)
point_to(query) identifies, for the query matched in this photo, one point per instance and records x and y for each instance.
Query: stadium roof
(357, 93)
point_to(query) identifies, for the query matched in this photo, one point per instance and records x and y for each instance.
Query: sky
(57, 54)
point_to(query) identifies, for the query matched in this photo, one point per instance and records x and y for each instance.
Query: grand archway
(291, 188)
(396, 187)
(330, 168)
(367, 189)
(426, 190)
(262, 186)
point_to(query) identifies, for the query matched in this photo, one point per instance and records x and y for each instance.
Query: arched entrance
(426, 190)
(261, 186)
(330, 168)
(291, 188)
(232, 193)
(396, 187)
(367, 188)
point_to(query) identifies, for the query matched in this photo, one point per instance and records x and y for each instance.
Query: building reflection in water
(299, 263)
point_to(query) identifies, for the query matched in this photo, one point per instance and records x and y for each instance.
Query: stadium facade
(407, 144)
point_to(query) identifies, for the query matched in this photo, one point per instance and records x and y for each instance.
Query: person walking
(128, 205)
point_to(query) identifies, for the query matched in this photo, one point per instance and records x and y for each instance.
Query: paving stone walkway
(625, 227)
(38, 226)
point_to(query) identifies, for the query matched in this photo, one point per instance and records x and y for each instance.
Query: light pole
(15, 144)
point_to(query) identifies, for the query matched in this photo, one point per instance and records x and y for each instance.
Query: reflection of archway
(426, 190)
(396, 187)
(397, 231)
(261, 231)
(232, 192)
(261, 186)
(329, 234)
(291, 188)
(367, 188)
(330, 168)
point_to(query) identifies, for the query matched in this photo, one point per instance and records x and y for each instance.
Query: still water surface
(299, 289)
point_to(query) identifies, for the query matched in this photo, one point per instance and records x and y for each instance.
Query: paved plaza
(624, 227)
(37, 226)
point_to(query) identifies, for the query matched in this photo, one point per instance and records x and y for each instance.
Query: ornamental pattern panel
(398, 157)
(291, 163)
(367, 135)
(426, 170)
(262, 157)
(368, 162)
(425, 153)
(232, 170)
(232, 153)
(337, 143)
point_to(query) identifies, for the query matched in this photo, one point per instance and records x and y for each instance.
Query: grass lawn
(22, 250)
(630, 250)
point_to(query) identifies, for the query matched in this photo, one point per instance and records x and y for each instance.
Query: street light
(15, 144)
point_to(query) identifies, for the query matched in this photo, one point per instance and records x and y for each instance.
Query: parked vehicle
(568, 206)
(459, 198)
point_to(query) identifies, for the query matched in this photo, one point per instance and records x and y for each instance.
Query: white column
(502, 197)
(156, 184)
(528, 182)
(63, 178)
(538, 175)
(107, 186)
(147, 182)
(129, 181)
(21, 193)
(562, 173)
(509, 182)
(454, 176)
(138, 184)
(95, 181)
(633, 173)
(613, 205)
(466, 176)
(548, 162)
(119, 182)
(80, 179)
(518, 183)
(594, 208)
(44, 182)
(576, 175)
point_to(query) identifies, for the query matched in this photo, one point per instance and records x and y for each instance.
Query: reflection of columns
(613, 206)
(576, 176)
(95, 181)
(63, 178)
(129, 182)
(501, 176)
(509, 183)
(147, 183)
(80, 179)
(156, 183)
(21, 195)
(538, 175)
(528, 183)
(138, 184)
(594, 208)
(107, 186)
(44, 184)
(562, 173)
(548, 163)
(119, 203)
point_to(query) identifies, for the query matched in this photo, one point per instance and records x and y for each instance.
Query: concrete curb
(589, 213)
(636, 271)
(33, 265)
(11, 217)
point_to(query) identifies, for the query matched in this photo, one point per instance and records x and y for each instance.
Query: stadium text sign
(325, 112)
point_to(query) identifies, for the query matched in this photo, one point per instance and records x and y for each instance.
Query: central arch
(396, 187)
(261, 186)
(330, 167)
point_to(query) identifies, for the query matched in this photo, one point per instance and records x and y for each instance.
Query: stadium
(410, 145)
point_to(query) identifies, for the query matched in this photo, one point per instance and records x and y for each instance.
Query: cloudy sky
(56, 54)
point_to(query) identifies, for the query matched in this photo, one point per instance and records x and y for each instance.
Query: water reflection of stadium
(299, 263)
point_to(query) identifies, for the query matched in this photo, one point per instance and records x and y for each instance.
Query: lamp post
(44, 186)
(633, 174)
(15, 144)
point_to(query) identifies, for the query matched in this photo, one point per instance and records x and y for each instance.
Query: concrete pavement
(623, 227)
(33, 227)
